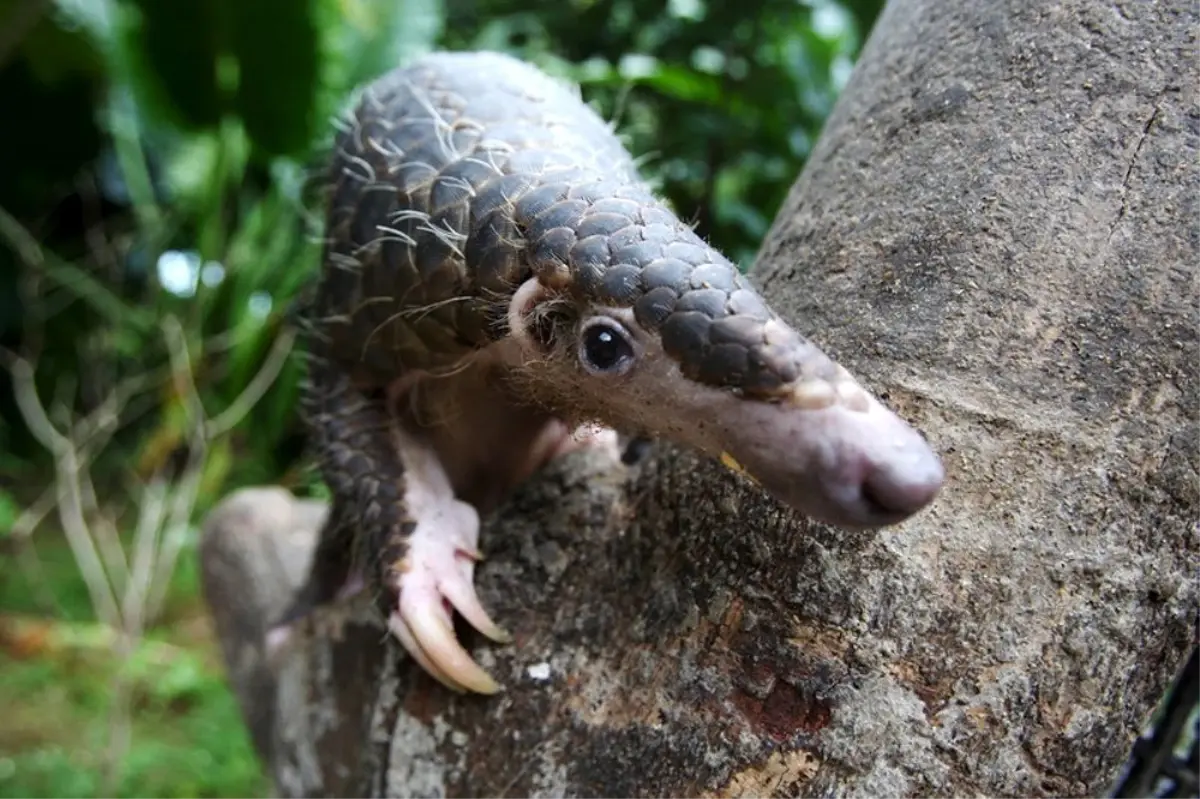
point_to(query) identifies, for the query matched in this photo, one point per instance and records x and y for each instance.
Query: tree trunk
(997, 232)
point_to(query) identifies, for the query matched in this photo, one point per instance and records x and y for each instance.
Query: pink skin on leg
(436, 574)
(557, 440)
(277, 637)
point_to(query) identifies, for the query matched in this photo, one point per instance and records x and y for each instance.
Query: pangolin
(500, 286)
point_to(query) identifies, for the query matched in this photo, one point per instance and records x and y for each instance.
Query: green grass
(60, 671)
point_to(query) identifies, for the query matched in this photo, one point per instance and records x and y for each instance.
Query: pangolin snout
(838, 456)
(819, 442)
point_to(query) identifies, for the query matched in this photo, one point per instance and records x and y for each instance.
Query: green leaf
(276, 46)
(178, 45)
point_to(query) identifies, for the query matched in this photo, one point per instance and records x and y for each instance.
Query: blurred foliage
(59, 670)
(160, 160)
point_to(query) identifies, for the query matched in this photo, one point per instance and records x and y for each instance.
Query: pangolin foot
(434, 578)
(586, 436)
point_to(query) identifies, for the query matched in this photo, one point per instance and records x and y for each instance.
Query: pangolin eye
(605, 347)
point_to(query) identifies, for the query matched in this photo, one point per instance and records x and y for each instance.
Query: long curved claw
(398, 628)
(431, 641)
(434, 579)
(461, 594)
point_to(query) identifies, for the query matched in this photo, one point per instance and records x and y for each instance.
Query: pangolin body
(495, 272)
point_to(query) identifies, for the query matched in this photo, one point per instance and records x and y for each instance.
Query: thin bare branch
(181, 368)
(22, 532)
(256, 388)
(69, 496)
(69, 276)
(183, 498)
(151, 511)
(32, 517)
(32, 410)
(104, 532)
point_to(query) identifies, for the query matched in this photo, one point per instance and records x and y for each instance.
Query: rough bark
(997, 231)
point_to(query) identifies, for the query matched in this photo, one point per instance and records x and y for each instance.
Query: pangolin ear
(538, 316)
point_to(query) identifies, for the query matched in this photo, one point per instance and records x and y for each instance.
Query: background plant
(157, 222)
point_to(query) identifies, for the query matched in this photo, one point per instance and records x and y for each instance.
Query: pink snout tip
(889, 486)
(854, 464)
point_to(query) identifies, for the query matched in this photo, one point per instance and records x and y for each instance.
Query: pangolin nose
(897, 491)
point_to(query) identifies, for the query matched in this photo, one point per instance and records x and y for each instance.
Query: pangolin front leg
(394, 512)
(430, 568)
